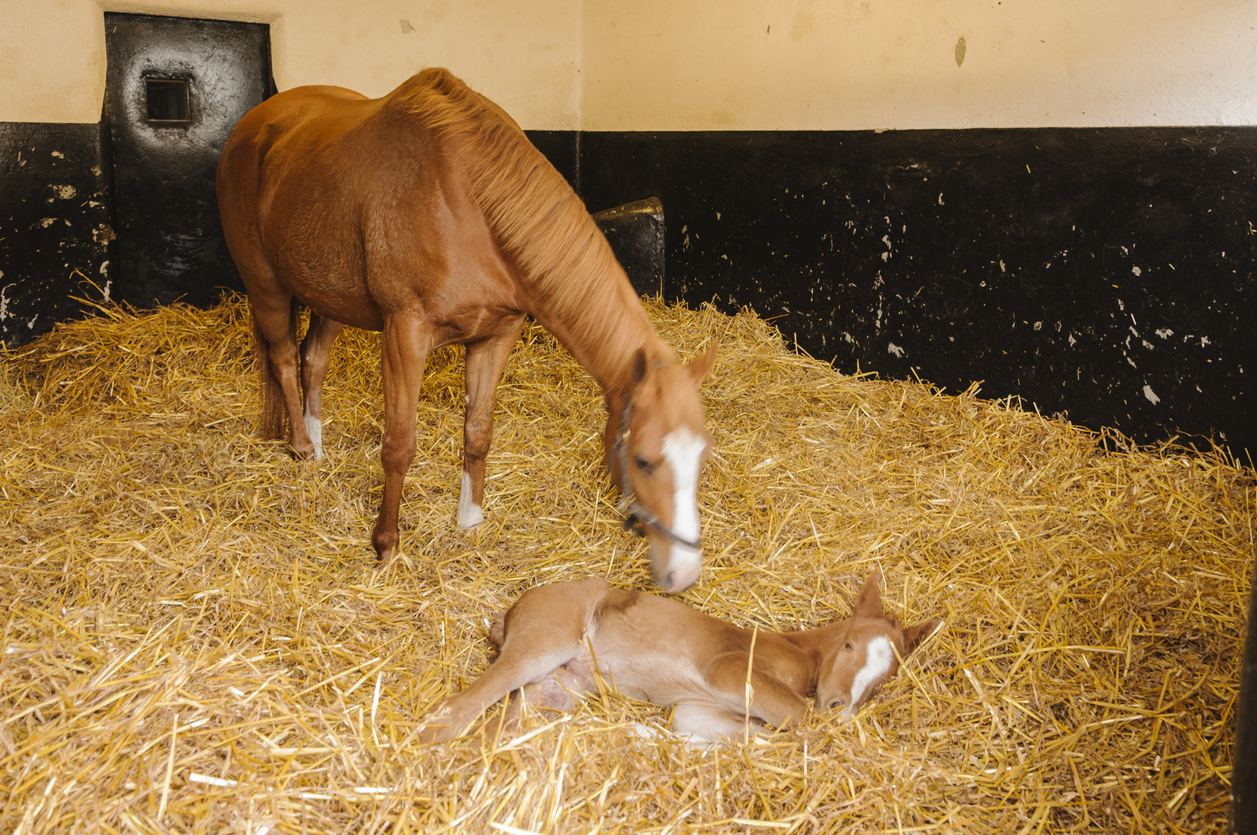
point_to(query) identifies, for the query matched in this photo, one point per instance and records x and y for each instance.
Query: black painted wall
(1107, 275)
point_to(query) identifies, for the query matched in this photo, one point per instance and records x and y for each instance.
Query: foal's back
(654, 648)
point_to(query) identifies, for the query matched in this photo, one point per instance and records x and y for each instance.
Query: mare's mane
(541, 226)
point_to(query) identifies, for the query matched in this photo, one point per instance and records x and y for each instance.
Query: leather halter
(637, 517)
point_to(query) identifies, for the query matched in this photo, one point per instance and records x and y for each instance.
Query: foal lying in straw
(558, 640)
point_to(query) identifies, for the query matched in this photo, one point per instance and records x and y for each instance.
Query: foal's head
(656, 449)
(865, 650)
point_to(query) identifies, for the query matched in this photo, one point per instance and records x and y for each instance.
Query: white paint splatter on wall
(892, 348)
(1151, 395)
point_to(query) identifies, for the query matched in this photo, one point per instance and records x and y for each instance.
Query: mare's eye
(847, 646)
(644, 465)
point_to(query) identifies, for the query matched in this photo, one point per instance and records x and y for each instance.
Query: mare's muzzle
(640, 521)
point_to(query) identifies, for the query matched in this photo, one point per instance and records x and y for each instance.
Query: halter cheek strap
(637, 517)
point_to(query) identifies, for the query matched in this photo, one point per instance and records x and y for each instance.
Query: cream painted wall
(860, 64)
(715, 64)
(524, 55)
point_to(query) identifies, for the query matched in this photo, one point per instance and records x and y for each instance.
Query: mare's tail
(273, 417)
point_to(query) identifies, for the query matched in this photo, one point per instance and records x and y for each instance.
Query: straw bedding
(196, 637)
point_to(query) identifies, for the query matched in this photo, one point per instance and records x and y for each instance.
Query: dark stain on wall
(1105, 275)
(54, 226)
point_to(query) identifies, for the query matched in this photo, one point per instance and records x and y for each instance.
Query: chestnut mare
(559, 639)
(428, 215)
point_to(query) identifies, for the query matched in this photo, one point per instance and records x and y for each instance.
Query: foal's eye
(847, 646)
(644, 465)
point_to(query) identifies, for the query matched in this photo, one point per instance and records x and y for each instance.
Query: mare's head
(865, 650)
(656, 448)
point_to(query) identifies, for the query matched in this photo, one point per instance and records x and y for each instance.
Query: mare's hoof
(310, 453)
(469, 515)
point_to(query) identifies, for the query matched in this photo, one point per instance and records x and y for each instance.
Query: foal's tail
(273, 418)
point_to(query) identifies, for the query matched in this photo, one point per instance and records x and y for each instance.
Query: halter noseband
(637, 517)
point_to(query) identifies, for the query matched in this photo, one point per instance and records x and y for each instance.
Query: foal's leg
(557, 692)
(517, 667)
(407, 338)
(272, 314)
(703, 723)
(485, 361)
(316, 354)
(545, 630)
(771, 700)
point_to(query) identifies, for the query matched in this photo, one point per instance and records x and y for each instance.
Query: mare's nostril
(835, 703)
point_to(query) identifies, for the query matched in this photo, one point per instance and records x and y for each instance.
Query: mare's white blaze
(314, 428)
(877, 659)
(469, 513)
(683, 450)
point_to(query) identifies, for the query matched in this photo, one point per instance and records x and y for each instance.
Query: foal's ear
(701, 365)
(914, 636)
(869, 603)
(637, 365)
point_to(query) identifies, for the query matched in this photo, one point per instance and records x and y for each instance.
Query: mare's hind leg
(316, 353)
(407, 338)
(273, 319)
(485, 362)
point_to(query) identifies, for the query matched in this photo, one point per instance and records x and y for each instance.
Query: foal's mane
(540, 224)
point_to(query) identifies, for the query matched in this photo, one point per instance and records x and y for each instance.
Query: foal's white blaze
(877, 659)
(683, 451)
(314, 428)
(469, 513)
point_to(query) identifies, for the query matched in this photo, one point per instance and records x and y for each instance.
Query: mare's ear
(638, 365)
(869, 603)
(700, 366)
(914, 636)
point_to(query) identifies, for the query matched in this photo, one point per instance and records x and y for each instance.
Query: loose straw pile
(197, 638)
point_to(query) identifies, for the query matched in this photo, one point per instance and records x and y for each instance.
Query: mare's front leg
(407, 338)
(485, 362)
(316, 352)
